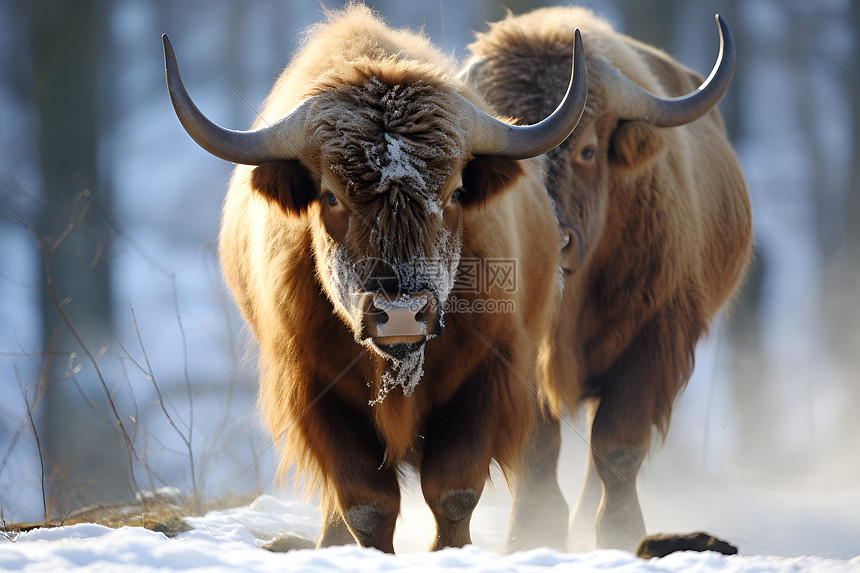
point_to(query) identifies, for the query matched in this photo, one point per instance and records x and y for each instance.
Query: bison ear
(633, 144)
(286, 183)
(486, 175)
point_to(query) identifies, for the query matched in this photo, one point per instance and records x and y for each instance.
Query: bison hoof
(457, 505)
(662, 545)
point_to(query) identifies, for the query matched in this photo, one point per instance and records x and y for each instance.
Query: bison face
(387, 238)
(579, 169)
(387, 259)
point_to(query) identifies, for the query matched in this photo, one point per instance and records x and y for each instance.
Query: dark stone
(664, 544)
(289, 543)
(170, 527)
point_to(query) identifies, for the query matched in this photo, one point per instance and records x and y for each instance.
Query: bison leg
(619, 518)
(636, 394)
(455, 465)
(620, 435)
(369, 500)
(452, 482)
(539, 513)
(361, 493)
(582, 519)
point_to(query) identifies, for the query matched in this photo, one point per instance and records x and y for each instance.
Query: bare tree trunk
(83, 449)
(651, 22)
(843, 278)
(852, 224)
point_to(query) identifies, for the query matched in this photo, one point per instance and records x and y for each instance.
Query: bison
(656, 218)
(371, 178)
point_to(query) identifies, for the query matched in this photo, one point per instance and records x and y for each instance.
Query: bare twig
(46, 256)
(190, 440)
(142, 460)
(150, 374)
(40, 391)
(135, 419)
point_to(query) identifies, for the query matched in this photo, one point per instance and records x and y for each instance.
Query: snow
(405, 301)
(169, 493)
(400, 164)
(230, 540)
(405, 373)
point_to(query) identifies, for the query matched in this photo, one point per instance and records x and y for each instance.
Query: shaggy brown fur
(388, 153)
(660, 230)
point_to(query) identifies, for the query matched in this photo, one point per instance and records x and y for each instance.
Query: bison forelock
(378, 137)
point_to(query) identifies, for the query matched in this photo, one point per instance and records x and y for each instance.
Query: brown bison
(373, 176)
(650, 197)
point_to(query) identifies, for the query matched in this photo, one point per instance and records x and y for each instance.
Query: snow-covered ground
(778, 526)
(230, 541)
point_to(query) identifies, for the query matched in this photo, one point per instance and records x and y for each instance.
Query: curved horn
(638, 103)
(271, 143)
(493, 137)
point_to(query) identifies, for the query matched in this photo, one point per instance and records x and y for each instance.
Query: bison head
(383, 164)
(616, 150)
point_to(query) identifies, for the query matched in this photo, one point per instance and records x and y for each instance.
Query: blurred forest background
(124, 365)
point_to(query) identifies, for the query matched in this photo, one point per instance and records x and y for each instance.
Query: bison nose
(404, 319)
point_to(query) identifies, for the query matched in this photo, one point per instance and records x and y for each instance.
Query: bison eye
(330, 199)
(455, 195)
(587, 153)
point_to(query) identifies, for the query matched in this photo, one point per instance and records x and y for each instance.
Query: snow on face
(399, 164)
(394, 148)
(404, 373)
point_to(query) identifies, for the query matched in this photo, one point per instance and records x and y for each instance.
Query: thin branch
(151, 376)
(22, 423)
(41, 390)
(78, 216)
(39, 393)
(65, 317)
(189, 442)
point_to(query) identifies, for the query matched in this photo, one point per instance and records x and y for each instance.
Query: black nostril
(378, 315)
